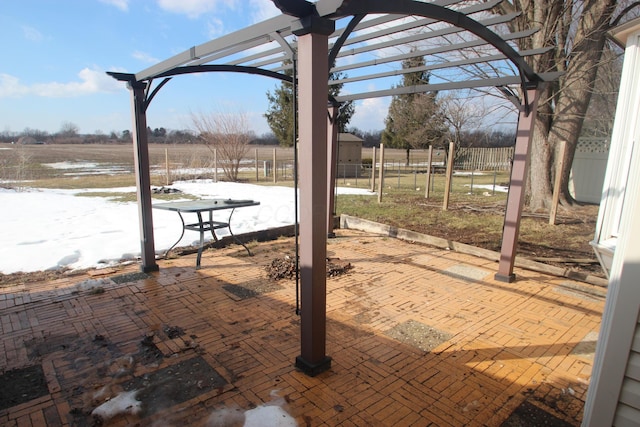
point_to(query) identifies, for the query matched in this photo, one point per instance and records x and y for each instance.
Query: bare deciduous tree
(462, 116)
(599, 119)
(228, 134)
(576, 31)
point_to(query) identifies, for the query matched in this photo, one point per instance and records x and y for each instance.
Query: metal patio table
(203, 225)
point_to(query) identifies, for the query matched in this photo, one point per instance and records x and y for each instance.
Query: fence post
(274, 168)
(373, 170)
(215, 165)
(447, 184)
(472, 170)
(166, 163)
(381, 178)
(495, 176)
(429, 165)
(256, 157)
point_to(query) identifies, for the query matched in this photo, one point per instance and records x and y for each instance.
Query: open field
(475, 214)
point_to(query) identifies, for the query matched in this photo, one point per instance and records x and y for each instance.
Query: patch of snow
(270, 414)
(498, 188)
(123, 403)
(53, 228)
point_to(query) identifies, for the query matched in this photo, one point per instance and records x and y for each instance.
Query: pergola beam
(468, 84)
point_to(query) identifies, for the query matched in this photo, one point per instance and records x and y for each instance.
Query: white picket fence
(484, 159)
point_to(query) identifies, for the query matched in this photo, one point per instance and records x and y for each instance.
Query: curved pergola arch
(440, 13)
(312, 25)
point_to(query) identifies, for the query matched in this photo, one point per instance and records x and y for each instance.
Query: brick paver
(94, 335)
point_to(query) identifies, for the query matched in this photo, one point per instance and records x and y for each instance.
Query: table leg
(179, 238)
(201, 241)
(234, 236)
(213, 231)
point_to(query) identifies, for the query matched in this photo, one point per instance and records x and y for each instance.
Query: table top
(204, 205)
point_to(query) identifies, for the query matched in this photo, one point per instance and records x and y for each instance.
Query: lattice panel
(593, 145)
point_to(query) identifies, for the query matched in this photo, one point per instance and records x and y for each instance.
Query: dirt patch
(285, 268)
(529, 415)
(21, 278)
(174, 384)
(418, 335)
(22, 385)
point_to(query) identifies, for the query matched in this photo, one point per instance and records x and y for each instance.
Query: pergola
(308, 39)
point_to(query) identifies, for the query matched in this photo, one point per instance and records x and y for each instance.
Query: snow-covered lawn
(49, 229)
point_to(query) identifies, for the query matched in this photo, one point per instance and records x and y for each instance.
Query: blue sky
(56, 53)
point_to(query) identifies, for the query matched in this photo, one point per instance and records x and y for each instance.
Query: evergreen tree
(415, 120)
(280, 112)
(346, 109)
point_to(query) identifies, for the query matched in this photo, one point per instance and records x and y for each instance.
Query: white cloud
(370, 114)
(195, 8)
(123, 5)
(262, 10)
(144, 57)
(90, 81)
(10, 87)
(31, 34)
(215, 28)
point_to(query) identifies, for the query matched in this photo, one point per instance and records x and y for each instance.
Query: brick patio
(418, 336)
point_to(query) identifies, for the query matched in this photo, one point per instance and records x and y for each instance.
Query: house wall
(628, 410)
(613, 397)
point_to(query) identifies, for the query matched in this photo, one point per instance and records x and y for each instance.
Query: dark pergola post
(332, 165)
(515, 198)
(313, 64)
(143, 176)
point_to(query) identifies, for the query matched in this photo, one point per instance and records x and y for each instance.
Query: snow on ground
(50, 229)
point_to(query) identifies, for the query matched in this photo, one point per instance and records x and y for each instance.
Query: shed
(349, 155)
(613, 397)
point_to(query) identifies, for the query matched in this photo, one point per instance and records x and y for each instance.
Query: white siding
(628, 410)
(613, 397)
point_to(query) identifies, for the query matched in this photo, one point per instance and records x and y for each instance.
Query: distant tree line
(477, 138)
(69, 135)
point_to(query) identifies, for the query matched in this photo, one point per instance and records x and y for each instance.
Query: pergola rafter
(300, 40)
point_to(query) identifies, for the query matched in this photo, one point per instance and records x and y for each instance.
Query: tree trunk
(560, 118)
(539, 188)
